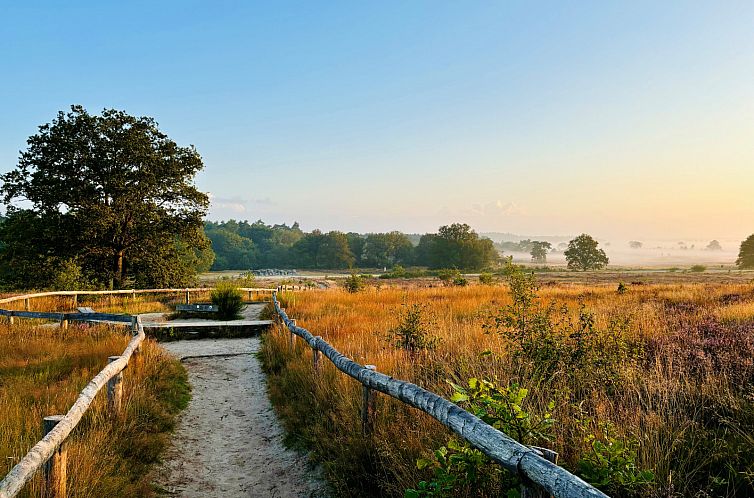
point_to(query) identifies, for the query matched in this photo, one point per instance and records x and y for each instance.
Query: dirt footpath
(228, 441)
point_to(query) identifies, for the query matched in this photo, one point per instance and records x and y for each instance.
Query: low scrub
(642, 393)
(229, 301)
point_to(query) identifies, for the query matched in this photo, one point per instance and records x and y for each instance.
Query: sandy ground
(228, 441)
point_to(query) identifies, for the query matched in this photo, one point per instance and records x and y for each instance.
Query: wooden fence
(527, 462)
(50, 452)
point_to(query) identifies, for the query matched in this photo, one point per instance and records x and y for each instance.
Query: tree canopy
(583, 254)
(110, 194)
(455, 246)
(746, 253)
(539, 251)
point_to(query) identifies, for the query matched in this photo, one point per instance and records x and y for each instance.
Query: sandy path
(228, 441)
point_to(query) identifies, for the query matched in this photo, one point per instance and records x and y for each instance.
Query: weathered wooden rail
(529, 463)
(49, 453)
(186, 292)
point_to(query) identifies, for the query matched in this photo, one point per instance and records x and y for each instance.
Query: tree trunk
(119, 269)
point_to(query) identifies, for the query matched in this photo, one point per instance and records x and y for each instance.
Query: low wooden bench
(197, 308)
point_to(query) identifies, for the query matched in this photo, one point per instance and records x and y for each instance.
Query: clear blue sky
(632, 118)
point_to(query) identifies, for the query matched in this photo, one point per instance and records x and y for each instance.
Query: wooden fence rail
(529, 463)
(133, 292)
(41, 452)
(49, 452)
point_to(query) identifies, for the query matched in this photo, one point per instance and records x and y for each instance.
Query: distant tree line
(242, 245)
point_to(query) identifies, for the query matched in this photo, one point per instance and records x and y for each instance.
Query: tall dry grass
(680, 388)
(42, 371)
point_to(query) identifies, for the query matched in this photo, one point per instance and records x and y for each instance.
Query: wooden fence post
(315, 359)
(64, 322)
(26, 304)
(367, 406)
(75, 301)
(115, 388)
(188, 296)
(10, 318)
(292, 339)
(531, 490)
(55, 467)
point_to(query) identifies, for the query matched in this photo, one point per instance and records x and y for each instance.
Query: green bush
(448, 276)
(412, 333)
(698, 268)
(229, 301)
(486, 278)
(354, 283)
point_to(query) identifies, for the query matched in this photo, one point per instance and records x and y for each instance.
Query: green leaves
(611, 464)
(111, 191)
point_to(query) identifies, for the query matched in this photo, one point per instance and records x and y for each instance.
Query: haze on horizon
(630, 121)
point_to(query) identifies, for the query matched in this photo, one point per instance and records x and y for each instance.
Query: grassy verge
(652, 388)
(42, 371)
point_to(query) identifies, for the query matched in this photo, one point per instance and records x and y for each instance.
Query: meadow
(643, 390)
(42, 371)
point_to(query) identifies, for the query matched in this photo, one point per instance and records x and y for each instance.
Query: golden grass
(687, 400)
(42, 371)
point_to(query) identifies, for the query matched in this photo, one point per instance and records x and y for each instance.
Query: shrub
(460, 281)
(353, 283)
(449, 276)
(229, 301)
(612, 464)
(486, 278)
(698, 269)
(412, 333)
(622, 288)
(461, 470)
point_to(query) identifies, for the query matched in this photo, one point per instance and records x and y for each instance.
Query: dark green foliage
(746, 253)
(486, 278)
(622, 288)
(698, 268)
(323, 251)
(456, 246)
(413, 333)
(386, 249)
(461, 470)
(229, 301)
(354, 283)
(448, 276)
(547, 340)
(612, 464)
(583, 254)
(109, 191)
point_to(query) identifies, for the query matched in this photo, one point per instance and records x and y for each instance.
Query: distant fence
(50, 452)
(528, 462)
(185, 293)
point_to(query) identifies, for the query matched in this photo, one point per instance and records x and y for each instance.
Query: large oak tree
(110, 192)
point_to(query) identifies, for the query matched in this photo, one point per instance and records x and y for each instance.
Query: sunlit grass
(42, 371)
(688, 400)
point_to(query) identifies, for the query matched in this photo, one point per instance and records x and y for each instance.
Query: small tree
(635, 244)
(413, 331)
(583, 254)
(539, 251)
(354, 283)
(746, 253)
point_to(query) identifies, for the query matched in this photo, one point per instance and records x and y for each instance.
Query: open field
(42, 371)
(651, 389)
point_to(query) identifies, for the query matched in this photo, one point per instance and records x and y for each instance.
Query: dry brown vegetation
(665, 370)
(42, 371)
